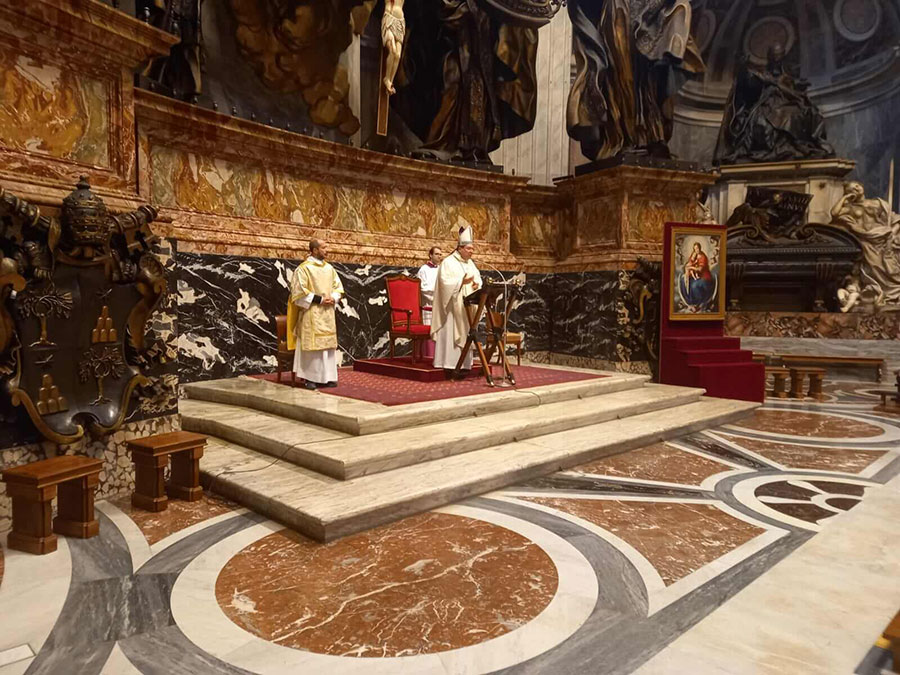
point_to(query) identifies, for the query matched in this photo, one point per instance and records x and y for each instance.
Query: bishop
(457, 277)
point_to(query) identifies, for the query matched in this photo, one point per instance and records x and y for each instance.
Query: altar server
(457, 277)
(315, 291)
(427, 275)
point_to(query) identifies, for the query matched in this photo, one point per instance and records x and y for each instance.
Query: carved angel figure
(878, 230)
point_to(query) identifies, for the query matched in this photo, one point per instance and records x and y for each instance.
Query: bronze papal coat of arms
(75, 294)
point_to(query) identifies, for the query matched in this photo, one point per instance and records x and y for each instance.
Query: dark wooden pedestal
(779, 381)
(32, 488)
(151, 456)
(816, 378)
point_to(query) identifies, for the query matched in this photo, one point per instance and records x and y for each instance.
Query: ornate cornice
(177, 124)
(93, 27)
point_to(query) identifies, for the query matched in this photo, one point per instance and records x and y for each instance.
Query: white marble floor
(737, 550)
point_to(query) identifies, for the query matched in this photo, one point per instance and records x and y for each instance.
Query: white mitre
(465, 236)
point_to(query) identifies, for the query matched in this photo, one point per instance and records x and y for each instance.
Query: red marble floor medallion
(676, 539)
(807, 424)
(430, 583)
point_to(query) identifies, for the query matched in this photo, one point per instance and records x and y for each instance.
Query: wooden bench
(779, 384)
(32, 488)
(151, 456)
(810, 360)
(816, 378)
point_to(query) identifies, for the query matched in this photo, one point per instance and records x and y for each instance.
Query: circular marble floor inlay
(429, 583)
(793, 423)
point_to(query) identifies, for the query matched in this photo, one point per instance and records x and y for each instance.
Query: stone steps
(325, 508)
(338, 455)
(354, 417)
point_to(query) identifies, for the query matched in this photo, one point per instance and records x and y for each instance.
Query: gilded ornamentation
(49, 399)
(105, 331)
(638, 314)
(87, 277)
(100, 362)
(42, 304)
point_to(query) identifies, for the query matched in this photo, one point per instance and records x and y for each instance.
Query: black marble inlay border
(591, 485)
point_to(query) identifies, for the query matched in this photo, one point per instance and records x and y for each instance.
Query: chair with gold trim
(511, 338)
(284, 356)
(405, 307)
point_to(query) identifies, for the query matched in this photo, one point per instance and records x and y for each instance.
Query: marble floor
(767, 546)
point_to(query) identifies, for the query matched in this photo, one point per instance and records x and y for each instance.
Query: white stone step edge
(388, 510)
(379, 418)
(561, 416)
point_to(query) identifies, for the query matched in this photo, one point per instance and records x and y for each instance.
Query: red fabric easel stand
(697, 353)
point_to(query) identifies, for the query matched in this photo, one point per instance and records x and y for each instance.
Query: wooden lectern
(477, 303)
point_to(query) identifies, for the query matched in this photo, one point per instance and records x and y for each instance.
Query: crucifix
(393, 30)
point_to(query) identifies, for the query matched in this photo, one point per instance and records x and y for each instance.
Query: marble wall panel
(158, 361)
(583, 315)
(534, 229)
(598, 220)
(227, 307)
(52, 110)
(647, 217)
(197, 182)
(850, 326)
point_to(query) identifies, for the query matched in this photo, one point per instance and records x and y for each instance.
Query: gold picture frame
(697, 264)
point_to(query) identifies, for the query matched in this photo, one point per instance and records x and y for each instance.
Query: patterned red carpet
(394, 391)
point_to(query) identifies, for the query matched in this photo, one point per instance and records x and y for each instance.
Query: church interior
(449, 336)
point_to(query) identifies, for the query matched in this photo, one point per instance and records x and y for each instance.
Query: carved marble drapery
(631, 57)
(877, 228)
(468, 78)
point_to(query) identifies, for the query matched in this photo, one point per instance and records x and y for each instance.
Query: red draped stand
(697, 353)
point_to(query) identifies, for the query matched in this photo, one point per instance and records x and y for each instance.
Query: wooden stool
(779, 384)
(32, 488)
(151, 456)
(816, 378)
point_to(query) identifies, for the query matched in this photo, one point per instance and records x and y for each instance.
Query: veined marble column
(543, 153)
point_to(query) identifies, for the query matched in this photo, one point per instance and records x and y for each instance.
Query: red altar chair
(405, 304)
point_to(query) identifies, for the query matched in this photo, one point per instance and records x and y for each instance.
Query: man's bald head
(317, 249)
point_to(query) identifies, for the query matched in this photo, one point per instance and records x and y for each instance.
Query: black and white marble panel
(227, 307)
(583, 314)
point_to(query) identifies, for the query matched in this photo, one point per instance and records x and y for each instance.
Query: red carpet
(402, 367)
(394, 391)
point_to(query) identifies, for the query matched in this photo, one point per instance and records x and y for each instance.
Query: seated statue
(878, 232)
(770, 118)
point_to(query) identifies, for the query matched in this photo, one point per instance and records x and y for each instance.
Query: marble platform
(328, 466)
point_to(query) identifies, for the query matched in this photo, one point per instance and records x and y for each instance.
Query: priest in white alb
(427, 276)
(457, 277)
(312, 330)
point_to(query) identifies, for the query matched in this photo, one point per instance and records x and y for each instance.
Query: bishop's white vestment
(449, 321)
(312, 329)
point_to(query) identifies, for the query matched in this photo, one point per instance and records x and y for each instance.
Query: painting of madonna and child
(698, 275)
